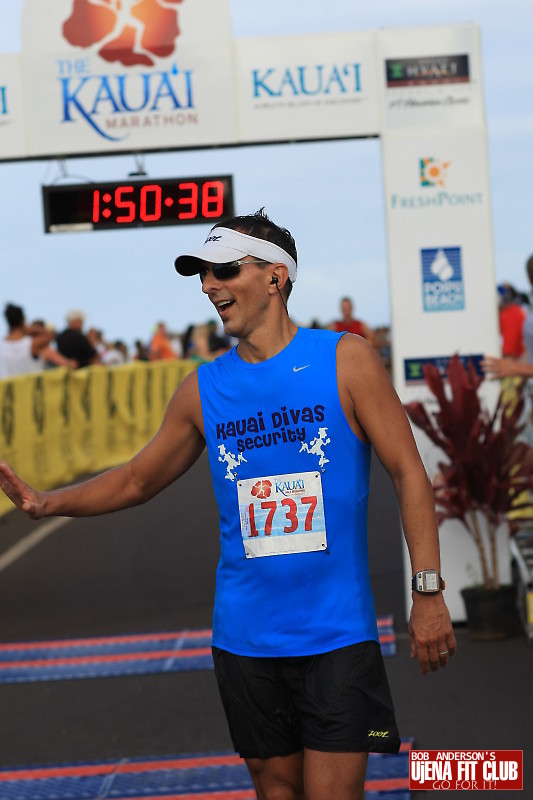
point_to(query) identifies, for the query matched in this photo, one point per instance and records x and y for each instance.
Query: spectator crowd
(32, 347)
(35, 346)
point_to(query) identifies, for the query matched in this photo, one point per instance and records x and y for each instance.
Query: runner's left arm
(376, 413)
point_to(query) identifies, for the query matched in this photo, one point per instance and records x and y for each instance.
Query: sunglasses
(223, 272)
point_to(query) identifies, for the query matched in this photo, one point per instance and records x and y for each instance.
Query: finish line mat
(113, 656)
(209, 776)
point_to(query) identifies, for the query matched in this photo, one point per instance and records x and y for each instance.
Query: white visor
(224, 245)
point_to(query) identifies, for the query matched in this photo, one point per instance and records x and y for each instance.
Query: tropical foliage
(489, 472)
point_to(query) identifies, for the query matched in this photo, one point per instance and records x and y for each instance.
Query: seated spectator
(161, 344)
(21, 350)
(72, 342)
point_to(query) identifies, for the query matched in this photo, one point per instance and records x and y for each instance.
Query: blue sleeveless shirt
(291, 482)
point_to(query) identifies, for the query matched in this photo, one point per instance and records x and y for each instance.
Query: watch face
(431, 582)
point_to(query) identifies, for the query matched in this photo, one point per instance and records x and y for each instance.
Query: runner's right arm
(171, 452)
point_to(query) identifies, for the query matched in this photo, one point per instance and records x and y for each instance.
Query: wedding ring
(444, 654)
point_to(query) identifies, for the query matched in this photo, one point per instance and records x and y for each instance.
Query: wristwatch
(428, 581)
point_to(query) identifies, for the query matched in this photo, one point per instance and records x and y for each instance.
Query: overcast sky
(330, 195)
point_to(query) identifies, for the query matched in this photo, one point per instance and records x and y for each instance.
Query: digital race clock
(132, 204)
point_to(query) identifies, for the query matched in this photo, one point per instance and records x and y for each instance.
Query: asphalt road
(152, 569)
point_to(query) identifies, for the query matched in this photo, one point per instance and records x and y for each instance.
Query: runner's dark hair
(261, 226)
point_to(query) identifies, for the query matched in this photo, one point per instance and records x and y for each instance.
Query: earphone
(275, 280)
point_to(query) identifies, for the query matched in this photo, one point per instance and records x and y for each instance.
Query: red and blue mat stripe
(138, 654)
(210, 776)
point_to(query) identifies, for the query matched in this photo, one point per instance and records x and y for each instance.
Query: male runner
(288, 417)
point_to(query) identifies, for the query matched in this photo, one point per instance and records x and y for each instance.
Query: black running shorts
(337, 702)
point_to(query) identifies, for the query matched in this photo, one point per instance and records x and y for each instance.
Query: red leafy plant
(489, 471)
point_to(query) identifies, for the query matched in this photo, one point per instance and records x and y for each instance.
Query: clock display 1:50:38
(133, 203)
(149, 202)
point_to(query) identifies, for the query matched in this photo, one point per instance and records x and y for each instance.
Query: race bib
(282, 514)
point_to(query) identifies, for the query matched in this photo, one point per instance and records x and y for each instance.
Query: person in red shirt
(512, 318)
(351, 325)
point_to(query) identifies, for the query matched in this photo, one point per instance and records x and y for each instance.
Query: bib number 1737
(282, 514)
(289, 507)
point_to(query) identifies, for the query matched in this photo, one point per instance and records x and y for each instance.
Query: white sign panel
(307, 87)
(431, 77)
(12, 125)
(128, 76)
(440, 248)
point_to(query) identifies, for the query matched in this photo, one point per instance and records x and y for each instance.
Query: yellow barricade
(58, 425)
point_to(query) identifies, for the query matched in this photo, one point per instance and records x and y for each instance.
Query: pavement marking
(100, 657)
(25, 545)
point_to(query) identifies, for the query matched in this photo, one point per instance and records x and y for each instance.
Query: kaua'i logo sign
(132, 32)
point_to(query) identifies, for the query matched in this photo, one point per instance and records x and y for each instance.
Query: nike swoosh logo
(297, 369)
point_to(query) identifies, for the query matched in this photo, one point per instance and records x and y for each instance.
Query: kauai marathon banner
(123, 75)
(104, 76)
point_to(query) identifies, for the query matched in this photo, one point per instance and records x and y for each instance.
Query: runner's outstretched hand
(20, 493)
(431, 632)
